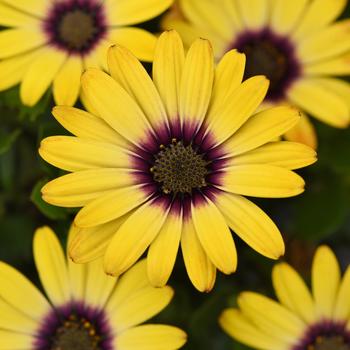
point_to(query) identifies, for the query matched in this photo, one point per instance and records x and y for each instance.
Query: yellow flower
(85, 309)
(301, 320)
(168, 161)
(54, 41)
(296, 44)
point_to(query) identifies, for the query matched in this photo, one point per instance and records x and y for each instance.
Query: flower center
(76, 333)
(77, 36)
(270, 55)
(329, 343)
(179, 168)
(75, 26)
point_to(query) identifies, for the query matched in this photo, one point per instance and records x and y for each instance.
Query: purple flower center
(179, 168)
(271, 55)
(75, 26)
(325, 335)
(74, 326)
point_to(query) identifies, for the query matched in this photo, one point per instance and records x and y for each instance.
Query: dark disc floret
(74, 326)
(271, 55)
(75, 26)
(326, 335)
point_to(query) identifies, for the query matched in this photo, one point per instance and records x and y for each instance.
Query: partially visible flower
(85, 309)
(54, 41)
(295, 44)
(301, 320)
(168, 161)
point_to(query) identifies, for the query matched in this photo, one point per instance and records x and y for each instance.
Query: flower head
(300, 320)
(167, 162)
(85, 309)
(298, 46)
(54, 41)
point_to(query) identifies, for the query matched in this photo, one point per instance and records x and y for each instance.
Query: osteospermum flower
(296, 44)
(301, 320)
(168, 161)
(85, 309)
(54, 41)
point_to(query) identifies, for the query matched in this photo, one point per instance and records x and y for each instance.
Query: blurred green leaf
(50, 211)
(8, 139)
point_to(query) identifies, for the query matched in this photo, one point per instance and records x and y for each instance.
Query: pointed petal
(325, 289)
(200, 269)
(261, 180)
(134, 237)
(251, 224)
(293, 292)
(219, 246)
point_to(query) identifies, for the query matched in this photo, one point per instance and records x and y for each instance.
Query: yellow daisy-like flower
(167, 161)
(87, 310)
(301, 320)
(54, 41)
(295, 44)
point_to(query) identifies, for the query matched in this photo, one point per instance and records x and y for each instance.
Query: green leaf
(7, 140)
(50, 211)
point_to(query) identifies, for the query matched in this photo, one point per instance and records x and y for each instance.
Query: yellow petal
(319, 14)
(218, 245)
(35, 83)
(200, 269)
(13, 319)
(16, 290)
(140, 42)
(90, 243)
(271, 317)
(168, 63)
(254, 12)
(125, 12)
(86, 125)
(286, 14)
(325, 43)
(51, 264)
(134, 237)
(98, 285)
(139, 307)
(127, 70)
(151, 337)
(209, 16)
(261, 128)
(110, 206)
(285, 154)
(13, 340)
(303, 132)
(228, 76)
(241, 328)
(325, 281)
(11, 17)
(131, 282)
(80, 188)
(196, 84)
(115, 105)
(13, 69)
(320, 102)
(163, 250)
(261, 180)
(342, 303)
(292, 292)
(339, 65)
(19, 40)
(251, 224)
(66, 85)
(74, 154)
(235, 110)
(35, 7)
